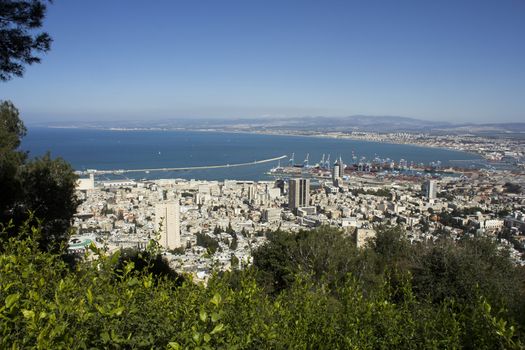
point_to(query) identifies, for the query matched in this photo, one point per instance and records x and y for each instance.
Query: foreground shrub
(109, 303)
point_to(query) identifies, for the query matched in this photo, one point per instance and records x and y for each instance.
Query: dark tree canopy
(49, 193)
(12, 129)
(324, 254)
(43, 187)
(20, 40)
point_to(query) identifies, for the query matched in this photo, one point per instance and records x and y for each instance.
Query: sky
(458, 60)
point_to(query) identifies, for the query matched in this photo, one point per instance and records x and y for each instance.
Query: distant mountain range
(363, 123)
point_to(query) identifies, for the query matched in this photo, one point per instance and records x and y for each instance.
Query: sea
(144, 149)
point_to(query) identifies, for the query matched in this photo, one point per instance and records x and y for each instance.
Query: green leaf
(216, 300)
(89, 296)
(11, 300)
(215, 317)
(129, 267)
(100, 309)
(218, 328)
(115, 257)
(487, 307)
(196, 338)
(7, 286)
(203, 315)
(61, 285)
(29, 314)
(207, 337)
(105, 337)
(133, 282)
(118, 311)
(94, 248)
(174, 346)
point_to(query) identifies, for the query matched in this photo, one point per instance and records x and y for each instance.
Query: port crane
(291, 162)
(327, 164)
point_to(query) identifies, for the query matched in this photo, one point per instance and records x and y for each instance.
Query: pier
(202, 167)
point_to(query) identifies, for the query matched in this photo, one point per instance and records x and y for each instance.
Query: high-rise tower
(167, 223)
(298, 193)
(335, 172)
(430, 189)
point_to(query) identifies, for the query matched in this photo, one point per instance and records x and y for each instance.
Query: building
(335, 172)
(490, 225)
(341, 168)
(167, 223)
(430, 189)
(338, 172)
(118, 183)
(298, 193)
(86, 184)
(516, 220)
(271, 215)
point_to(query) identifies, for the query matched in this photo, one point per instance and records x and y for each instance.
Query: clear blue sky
(440, 60)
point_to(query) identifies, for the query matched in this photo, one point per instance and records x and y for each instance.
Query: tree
(207, 242)
(234, 244)
(42, 188)
(325, 254)
(234, 262)
(49, 191)
(132, 300)
(146, 261)
(461, 270)
(20, 40)
(12, 129)
(392, 247)
(512, 187)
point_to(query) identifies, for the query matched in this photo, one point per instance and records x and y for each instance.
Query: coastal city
(505, 150)
(207, 225)
(262, 174)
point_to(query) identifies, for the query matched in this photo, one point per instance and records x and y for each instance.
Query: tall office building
(341, 168)
(298, 193)
(335, 171)
(338, 172)
(167, 223)
(430, 189)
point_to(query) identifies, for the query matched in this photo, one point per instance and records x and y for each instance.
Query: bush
(109, 302)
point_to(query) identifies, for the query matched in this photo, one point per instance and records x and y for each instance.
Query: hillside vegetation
(312, 290)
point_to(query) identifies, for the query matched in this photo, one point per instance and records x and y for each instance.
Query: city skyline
(446, 61)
